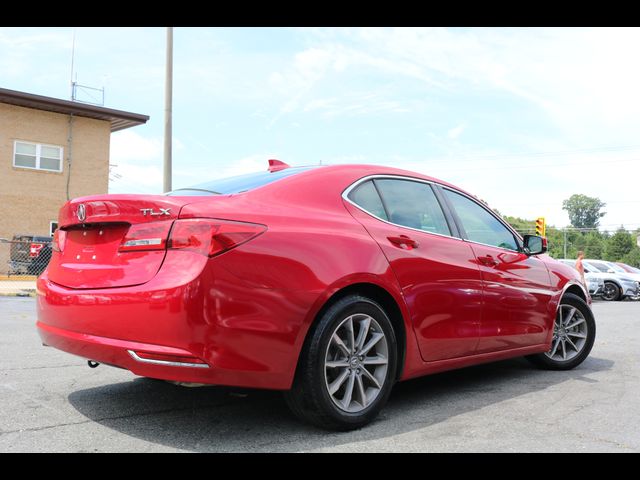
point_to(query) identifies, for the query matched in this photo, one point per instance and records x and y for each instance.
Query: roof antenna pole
(73, 51)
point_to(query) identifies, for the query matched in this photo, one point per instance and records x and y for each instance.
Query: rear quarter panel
(270, 290)
(264, 295)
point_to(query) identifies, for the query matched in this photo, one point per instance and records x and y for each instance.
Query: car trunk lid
(113, 240)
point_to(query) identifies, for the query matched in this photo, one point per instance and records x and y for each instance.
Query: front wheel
(574, 332)
(347, 367)
(611, 292)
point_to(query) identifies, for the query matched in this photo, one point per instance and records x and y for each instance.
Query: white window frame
(51, 227)
(38, 155)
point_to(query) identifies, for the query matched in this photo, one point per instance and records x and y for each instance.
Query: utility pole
(564, 231)
(168, 94)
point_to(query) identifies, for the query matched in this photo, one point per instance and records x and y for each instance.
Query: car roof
(370, 169)
(329, 181)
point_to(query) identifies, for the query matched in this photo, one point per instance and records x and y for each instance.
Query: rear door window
(366, 197)
(412, 204)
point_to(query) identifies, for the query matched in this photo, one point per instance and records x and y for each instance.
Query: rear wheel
(574, 332)
(611, 292)
(347, 368)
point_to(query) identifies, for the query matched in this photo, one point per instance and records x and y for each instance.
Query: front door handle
(488, 261)
(403, 241)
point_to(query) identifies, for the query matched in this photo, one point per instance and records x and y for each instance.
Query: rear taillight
(211, 237)
(146, 236)
(34, 249)
(59, 239)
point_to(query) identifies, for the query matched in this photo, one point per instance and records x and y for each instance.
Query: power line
(559, 152)
(542, 165)
(471, 158)
(555, 203)
(579, 229)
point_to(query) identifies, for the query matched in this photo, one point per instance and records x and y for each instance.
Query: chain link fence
(24, 256)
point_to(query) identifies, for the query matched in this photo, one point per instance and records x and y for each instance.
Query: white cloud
(137, 162)
(34, 38)
(584, 78)
(128, 145)
(137, 179)
(19, 47)
(355, 104)
(252, 163)
(455, 132)
(184, 177)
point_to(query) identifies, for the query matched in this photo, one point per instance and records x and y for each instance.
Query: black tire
(542, 360)
(611, 292)
(309, 399)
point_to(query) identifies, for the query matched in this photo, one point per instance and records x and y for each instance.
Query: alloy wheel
(610, 291)
(569, 334)
(356, 363)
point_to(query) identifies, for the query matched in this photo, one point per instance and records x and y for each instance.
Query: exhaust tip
(92, 364)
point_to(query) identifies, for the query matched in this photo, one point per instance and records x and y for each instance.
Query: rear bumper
(197, 311)
(124, 354)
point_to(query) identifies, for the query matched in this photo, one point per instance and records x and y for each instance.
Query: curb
(21, 293)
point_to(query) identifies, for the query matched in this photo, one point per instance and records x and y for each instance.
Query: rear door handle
(403, 241)
(488, 261)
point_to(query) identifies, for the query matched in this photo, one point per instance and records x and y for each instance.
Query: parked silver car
(617, 286)
(629, 285)
(595, 281)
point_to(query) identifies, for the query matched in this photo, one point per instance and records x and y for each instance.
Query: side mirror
(534, 245)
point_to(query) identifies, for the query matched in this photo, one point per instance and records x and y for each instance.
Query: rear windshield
(238, 184)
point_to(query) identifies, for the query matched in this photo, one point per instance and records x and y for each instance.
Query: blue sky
(521, 117)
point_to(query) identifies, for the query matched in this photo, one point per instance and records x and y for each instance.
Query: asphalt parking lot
(51, 401)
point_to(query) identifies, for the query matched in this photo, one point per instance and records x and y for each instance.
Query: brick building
(51, 150)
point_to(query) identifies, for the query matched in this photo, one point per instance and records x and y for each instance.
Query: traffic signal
(540, 227)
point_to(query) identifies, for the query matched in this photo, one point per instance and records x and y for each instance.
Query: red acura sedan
(330, 283)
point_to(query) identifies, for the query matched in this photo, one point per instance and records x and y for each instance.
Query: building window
(37, 156)
(53, 226)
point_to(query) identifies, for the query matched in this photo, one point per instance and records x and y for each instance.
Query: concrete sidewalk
(17, 288)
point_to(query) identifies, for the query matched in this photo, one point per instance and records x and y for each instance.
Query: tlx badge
(151, 212)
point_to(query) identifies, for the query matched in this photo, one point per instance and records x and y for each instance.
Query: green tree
(618, 245)
(584, 211)
(632, 258)
(520, 225)
(555, 243)
(555, 237)
(594, 245)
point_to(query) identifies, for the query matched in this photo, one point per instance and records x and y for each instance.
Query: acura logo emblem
(82, 212)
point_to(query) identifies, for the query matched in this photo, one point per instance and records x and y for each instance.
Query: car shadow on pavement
(211, 419)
